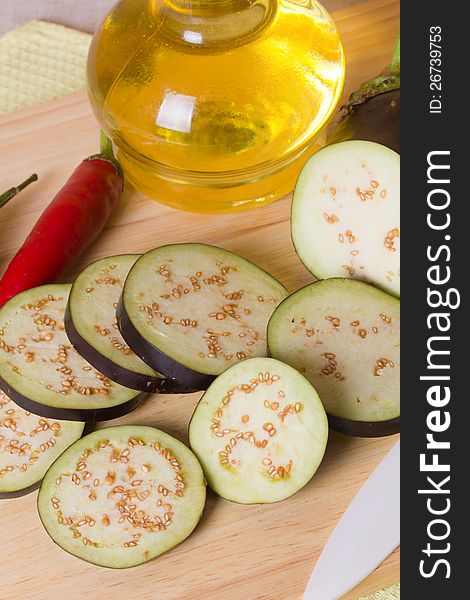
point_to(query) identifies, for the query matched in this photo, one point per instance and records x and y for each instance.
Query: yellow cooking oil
(215, 105)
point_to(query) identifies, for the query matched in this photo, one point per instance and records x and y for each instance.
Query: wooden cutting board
(237, 552)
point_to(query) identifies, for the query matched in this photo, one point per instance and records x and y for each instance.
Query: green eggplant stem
(14, 191)
(387, 81)
(395, 66)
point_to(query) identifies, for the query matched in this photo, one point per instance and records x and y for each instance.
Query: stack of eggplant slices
(278, 370)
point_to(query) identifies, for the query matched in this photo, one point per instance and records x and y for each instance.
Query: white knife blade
(366, 534)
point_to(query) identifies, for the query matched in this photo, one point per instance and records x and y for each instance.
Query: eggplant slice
(346, 214)
(259, 431)
(344, 336)
(190, 311)
(28, 446)
(122, 496)
(91, 326)
(42, 372)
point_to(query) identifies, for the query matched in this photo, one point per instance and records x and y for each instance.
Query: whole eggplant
(373, 111)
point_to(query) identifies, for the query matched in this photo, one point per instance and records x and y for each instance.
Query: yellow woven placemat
(41, 61)
(391, 593)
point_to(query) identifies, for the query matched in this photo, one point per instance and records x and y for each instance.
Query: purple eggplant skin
(71, 414)
(21, 493)
(115, 372)
(155, 358)
(366, 429)
(375, 120)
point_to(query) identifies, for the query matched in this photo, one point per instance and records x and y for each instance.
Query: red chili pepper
(74, 218)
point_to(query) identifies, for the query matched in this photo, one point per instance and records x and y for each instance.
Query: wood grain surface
(85, 15)
(237, 552)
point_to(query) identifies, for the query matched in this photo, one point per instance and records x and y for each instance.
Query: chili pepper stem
(106, 147)
(12, 192)
(107, 153)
